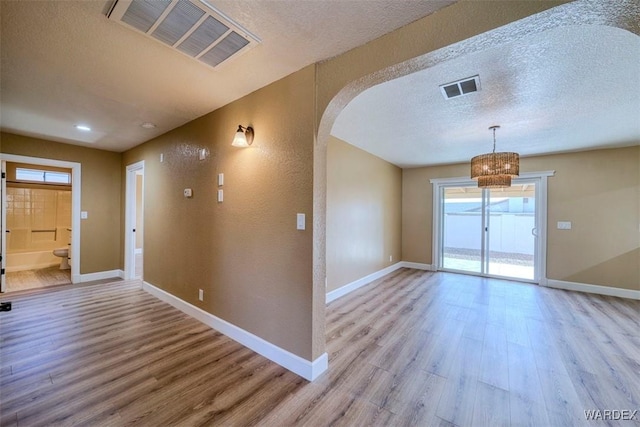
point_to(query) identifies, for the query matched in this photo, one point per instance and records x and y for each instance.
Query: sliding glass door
(462, 224)
(511, 228)
(490, 232)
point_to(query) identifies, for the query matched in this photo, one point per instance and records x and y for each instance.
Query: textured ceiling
(566, 89)
(64, 63)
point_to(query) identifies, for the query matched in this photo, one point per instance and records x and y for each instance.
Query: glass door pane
(462, 222)
(510, 239)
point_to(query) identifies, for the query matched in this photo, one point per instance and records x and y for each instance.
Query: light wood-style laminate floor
(39, 278)
(414, 348)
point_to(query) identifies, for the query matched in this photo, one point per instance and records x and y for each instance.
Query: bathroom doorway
(40, 222)
(134, 222)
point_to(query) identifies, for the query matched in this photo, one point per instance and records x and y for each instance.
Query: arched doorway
(419, 46)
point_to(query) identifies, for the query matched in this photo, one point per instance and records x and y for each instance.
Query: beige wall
(100, 196)
(363, 213)
(598, 191)
(245, 253)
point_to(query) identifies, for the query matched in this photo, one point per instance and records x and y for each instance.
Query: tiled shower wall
(38, 219)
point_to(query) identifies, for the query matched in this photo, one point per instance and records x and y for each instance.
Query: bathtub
(20, 261)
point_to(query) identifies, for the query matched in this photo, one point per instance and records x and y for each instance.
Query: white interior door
(134, 224)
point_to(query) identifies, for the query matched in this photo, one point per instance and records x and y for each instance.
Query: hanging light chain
(493, 128)
(494, 139)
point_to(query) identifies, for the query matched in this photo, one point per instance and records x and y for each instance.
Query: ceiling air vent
(461, 87)
(192, 27)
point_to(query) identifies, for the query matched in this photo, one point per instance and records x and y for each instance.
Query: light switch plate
(564, 225)
(220, 196)
(300, 221)
(220, 179)
(84, 215)
(188, 192)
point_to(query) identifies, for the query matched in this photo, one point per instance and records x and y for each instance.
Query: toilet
(64, 254)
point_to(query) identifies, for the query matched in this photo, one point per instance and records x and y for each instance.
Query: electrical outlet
(200, 294)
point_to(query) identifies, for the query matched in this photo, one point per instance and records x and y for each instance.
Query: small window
(37, 175)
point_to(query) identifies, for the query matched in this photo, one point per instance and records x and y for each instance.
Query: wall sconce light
(244, 137)
(203, 153)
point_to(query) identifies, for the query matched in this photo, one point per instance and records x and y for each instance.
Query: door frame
(540, 271)
(3, 227)
(130, 218)
(76, 191)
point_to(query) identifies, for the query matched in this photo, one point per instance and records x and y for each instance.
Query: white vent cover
(193, 27)
(461, 87)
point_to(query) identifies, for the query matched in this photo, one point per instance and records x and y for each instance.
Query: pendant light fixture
(495, 170)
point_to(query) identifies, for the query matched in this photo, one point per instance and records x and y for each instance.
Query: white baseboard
(296, 364)
(418, 266)
(100, 275)
(350, 287)
(593, 289)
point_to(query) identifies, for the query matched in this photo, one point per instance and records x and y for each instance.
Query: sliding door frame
(540, 179)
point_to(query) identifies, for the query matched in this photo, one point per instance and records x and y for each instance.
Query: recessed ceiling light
(148, 125)
(83, 128)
